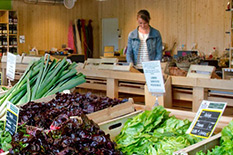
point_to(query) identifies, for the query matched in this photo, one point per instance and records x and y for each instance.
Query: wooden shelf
(3, 35)
(5, 16)
(3, 46)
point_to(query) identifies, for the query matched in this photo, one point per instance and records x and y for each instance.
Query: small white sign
(66, 91)
(206, 119)
(154, 77)
(21, 39)
(10, 66)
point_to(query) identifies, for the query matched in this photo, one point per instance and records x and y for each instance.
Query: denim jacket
(154, 45)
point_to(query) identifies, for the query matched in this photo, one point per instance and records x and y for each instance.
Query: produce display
(226, 143)
(52, 114)
(73, 138)
(154, 133)
(5, 138)
(42, 78)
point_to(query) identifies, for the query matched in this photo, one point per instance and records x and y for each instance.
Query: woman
(145, 42)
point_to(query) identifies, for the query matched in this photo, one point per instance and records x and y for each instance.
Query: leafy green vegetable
(154, 133)
(5, 138)
(226, 143)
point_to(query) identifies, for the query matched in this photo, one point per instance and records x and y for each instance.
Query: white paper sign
(206, 119)
(10, 66)
(154, 77)
(21, 39)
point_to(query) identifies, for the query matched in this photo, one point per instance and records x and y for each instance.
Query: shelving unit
(230, 9)
(8, 31)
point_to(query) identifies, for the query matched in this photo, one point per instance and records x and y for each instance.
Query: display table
(111, 81)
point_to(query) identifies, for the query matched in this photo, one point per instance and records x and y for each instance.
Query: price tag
(66, 91)
(206, 119)
(10, 66)
(154, 76)
(12, 115)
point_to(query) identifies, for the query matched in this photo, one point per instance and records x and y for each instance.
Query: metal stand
(156, 100)
(9, 83)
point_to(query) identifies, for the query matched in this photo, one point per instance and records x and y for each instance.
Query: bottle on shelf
(215, 53)
(15, 20)
(15, 29)
(4, 29)
(10, 18)
(10, 29)
(0, 29)
(15, 42)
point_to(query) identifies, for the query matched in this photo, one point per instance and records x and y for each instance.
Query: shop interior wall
(185, 21)
(45, 26)
(203, 22)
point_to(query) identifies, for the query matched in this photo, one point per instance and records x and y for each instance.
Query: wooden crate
(28, 59)
(181, 114)
(107, 63)
(105, 114)
(112, 112)
(113, 82)
(114, 126)
(200, 71)
(227, 73)
(204, 145)
(91, 63)
(194, 90)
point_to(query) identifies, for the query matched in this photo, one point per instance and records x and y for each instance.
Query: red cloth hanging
(84, 41)
(71, 36)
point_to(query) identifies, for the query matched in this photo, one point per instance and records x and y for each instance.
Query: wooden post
(112, 88)
(198, 95)
(4, 79)
(168, 94)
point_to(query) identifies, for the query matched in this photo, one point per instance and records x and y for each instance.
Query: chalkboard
(206, 122)
(11, 118)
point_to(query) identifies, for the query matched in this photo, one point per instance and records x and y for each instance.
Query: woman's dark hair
(144, 14)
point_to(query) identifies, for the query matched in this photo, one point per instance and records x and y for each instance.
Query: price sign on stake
(12, 115)
(206, 119)
(10, 66)
(154, 76)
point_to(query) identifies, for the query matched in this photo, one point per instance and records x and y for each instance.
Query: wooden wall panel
(46, 26)
(186, 21)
